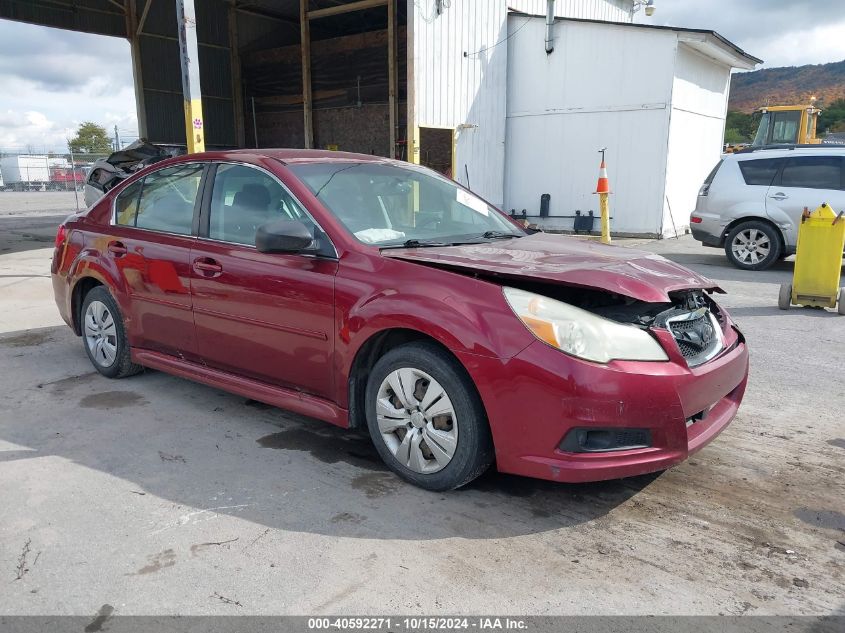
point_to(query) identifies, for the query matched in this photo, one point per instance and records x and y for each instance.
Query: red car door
(150, 243)
(261, 315)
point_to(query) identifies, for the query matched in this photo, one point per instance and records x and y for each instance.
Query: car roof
(290, 156)
(796, 150)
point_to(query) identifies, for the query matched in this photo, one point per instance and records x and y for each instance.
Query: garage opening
(355, 54)
(437, 149)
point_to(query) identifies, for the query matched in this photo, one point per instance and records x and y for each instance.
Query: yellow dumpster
(818, 262)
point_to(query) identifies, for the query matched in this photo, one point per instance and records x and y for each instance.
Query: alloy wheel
(416, 420)
(100, 333)
(751, 246)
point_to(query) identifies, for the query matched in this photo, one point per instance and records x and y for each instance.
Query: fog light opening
(600, 440)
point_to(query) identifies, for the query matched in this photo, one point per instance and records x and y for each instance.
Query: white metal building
(527, 123)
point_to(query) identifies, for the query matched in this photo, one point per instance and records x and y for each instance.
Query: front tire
(104, 335)
(753, 245)
(426, 419)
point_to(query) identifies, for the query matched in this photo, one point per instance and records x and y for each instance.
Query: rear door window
(168, 197)
(813, 172)
(761, 171)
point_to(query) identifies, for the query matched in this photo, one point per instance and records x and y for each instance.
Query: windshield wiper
(499, 235)
(416, 244)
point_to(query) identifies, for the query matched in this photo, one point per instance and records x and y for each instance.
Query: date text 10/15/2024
(416, 624)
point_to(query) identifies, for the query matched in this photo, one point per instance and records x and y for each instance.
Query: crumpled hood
(141, 151)
(566, 260)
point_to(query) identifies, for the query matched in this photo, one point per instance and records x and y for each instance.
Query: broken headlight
(581, 333)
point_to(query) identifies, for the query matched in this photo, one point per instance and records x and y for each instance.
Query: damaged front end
(699, 328)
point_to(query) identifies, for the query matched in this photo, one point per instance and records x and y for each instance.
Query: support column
(189, 57)
(237, 87)
(391, 69)
(305, 46)
(133, 34)
(412, 142)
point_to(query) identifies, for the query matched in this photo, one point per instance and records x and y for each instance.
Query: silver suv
(751, 203)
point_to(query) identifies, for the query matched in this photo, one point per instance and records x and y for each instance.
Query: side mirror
(283, 236)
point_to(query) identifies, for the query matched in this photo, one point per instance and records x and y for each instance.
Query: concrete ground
(156, 495)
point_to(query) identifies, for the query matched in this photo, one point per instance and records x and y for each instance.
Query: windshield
(388, 205)
(762, 130)
(784, 128)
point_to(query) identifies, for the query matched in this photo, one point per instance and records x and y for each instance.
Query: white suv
(751, 203)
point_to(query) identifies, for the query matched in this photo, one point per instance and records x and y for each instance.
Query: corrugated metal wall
(460, 75)
(162, 79)
(460, 63)
(88, 16)
(696, 130)
(610, 10)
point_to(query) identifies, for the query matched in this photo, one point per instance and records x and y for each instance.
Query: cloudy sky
(52, 80)
(780, 32)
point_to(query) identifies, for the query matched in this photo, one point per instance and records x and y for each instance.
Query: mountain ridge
(787, 85)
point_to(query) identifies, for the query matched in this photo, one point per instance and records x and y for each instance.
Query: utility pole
(73, 174)
(189, 57)
(116, 139)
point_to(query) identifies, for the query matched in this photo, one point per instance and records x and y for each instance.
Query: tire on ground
(122, 366)
(772, 235)
(474, 451)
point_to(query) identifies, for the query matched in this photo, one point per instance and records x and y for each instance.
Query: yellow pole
(603, 190)
(191, 93)
(604, 207)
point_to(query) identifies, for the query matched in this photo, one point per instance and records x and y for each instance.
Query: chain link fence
(45, 172)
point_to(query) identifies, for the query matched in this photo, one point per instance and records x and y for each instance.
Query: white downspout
(550, 23)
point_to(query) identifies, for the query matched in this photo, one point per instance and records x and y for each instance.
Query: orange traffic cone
(603, 185)
(603, 189)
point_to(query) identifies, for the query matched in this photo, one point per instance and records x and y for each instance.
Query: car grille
(697, 334)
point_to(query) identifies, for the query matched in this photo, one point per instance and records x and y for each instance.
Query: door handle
(117, 249)
(207, 265)
(779, 196)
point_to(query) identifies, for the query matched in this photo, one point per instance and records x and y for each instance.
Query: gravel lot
(156, 495)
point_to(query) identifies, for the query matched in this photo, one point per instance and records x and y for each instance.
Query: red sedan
(368, 292)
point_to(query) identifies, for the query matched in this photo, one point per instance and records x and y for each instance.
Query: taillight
(694, 219)
(704, 189)
(61, 235)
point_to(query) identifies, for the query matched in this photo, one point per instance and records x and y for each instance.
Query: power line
(500, 41)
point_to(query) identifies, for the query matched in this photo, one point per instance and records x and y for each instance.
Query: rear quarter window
(126, 205)
(761, 171)
(712, 173)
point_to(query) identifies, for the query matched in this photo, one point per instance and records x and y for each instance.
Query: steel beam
(305, 45)
(133, 30)
(345, 8)
(189, 57)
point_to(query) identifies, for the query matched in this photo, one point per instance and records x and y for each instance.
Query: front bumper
(535, 398)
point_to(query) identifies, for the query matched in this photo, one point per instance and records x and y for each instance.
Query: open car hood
(565, 260)
(139, 152)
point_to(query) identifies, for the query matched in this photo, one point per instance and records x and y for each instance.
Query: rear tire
(431, 430)
(785, 296)
(753, 245)
(104, 335)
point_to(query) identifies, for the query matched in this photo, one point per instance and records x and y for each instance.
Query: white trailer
(26, 172)
(656, 97)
